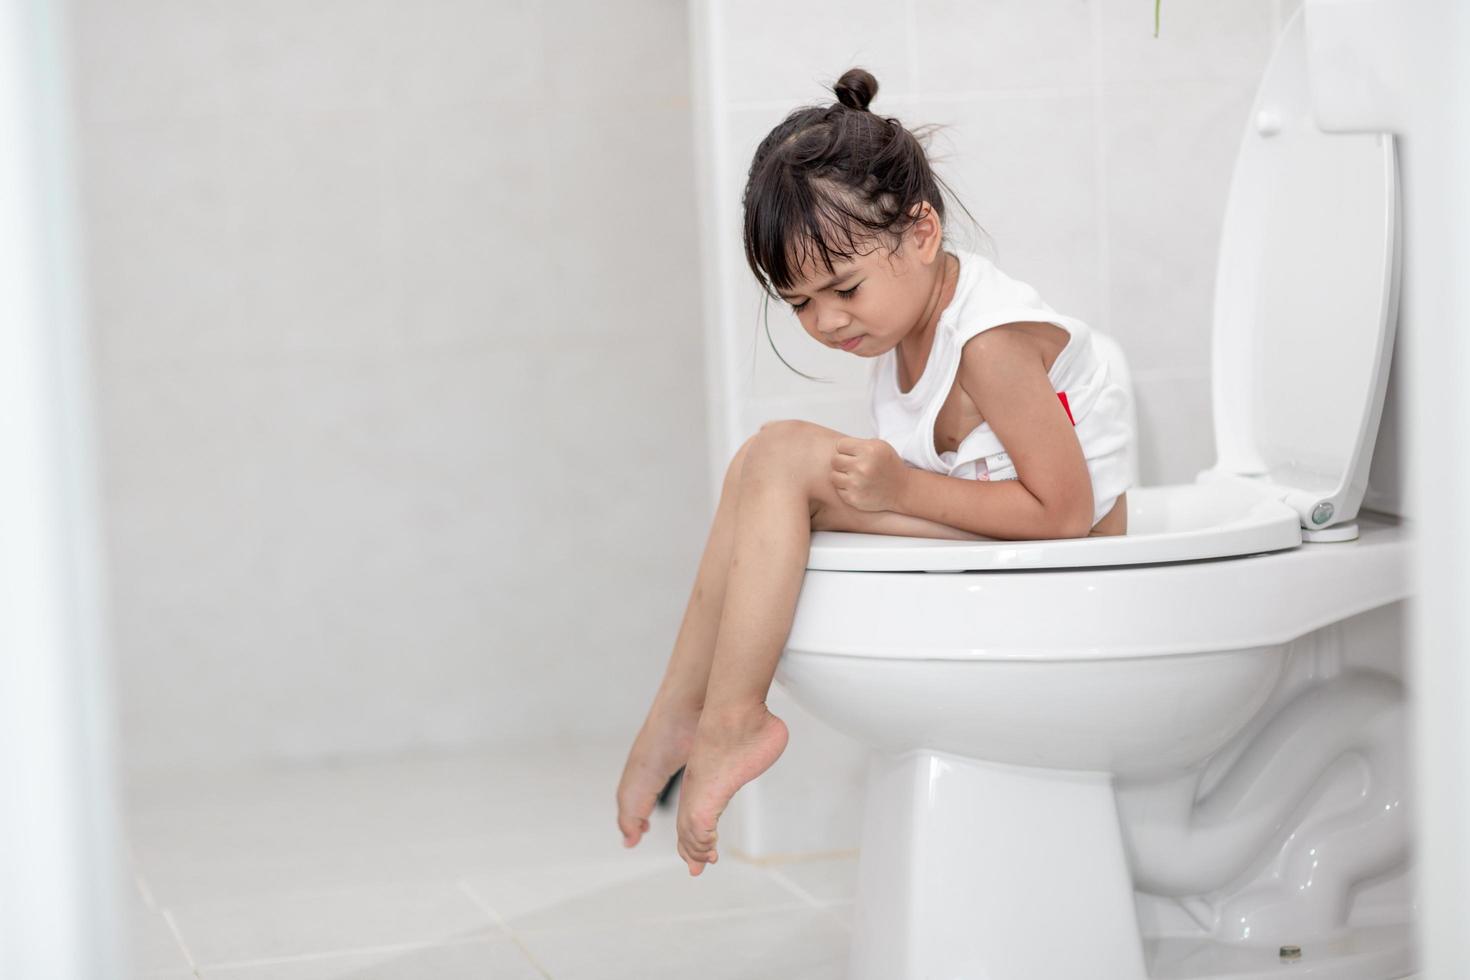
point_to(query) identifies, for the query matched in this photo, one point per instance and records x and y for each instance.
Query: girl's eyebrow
(826, 285)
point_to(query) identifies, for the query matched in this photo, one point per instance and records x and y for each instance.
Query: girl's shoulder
(995, 299)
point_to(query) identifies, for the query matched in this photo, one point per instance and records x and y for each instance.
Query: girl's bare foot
(727, 754)
(662, 746)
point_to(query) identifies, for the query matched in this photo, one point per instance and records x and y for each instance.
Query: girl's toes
(694, 855)
(633, 829)
(695, 866)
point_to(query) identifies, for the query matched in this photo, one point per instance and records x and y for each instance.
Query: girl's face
(869, 303)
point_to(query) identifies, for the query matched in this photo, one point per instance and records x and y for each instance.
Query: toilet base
(1384, 952)
(971, 869)
(980, 869)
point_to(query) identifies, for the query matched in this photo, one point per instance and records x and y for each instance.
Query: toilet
(1178, 753)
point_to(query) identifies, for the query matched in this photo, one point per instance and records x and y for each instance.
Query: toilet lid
(1306, 299)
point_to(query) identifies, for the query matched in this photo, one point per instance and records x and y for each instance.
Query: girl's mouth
(850, 344)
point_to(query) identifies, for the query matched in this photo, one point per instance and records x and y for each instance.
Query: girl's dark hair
(829, 180)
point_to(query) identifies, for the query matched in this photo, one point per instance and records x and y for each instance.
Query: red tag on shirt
(1063, 396)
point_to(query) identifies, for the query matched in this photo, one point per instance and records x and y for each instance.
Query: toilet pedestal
(973, 869)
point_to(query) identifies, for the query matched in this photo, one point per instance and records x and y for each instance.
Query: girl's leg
(663, 743)
(785, 484)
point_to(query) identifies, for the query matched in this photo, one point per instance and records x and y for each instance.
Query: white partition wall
(1396, 67)
(59, 886)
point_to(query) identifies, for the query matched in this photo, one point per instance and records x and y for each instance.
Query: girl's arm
(996, 509)
(1004, 374)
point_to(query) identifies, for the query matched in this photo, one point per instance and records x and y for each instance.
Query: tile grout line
(1091, 88)
(910, 25)
(826, 908)
(173, 927)
(719, 913)
(1099, 147)
(336, 953)
(913, 101)
(499, 920)
(144, 892)
(794, 888)
(729, 913)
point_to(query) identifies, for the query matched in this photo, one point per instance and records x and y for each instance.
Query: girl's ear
(926, 231)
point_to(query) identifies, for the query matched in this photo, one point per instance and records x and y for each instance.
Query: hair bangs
(793, 224)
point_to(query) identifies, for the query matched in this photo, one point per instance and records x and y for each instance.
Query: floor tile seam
(391, 883)
(909, 100)
(489, 910)
(404, 839)
(391, 879)
(827, 906)
(144, 892)
(177, 933)
(794, 888)
(288, 958)
(745, 911)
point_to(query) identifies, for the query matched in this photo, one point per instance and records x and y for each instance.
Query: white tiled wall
(1094, 156)
(1096, 159)
(395, 316)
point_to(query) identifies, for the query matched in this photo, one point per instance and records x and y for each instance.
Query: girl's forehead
(816, 272)
(813, 270)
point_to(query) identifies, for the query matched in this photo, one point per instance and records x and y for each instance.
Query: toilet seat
(1098, 613)
(1179, 522)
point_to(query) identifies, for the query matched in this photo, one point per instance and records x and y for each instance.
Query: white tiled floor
(503, 865)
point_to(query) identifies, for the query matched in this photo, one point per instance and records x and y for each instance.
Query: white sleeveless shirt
(985, 297)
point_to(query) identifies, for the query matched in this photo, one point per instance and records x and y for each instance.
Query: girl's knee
(785, 434)
(783, 444)
(778, 445)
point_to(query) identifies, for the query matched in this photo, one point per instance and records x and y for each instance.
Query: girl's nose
(830, 327)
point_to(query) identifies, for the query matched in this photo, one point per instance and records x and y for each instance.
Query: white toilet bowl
(1076, 740)
(1006, 707)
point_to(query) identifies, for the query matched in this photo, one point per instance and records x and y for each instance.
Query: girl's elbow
(1073, 524)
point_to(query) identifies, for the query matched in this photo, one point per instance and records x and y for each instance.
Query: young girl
(995, 415)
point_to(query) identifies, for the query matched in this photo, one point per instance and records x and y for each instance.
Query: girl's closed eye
(844, 293)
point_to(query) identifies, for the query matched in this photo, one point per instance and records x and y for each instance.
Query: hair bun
(856, 88)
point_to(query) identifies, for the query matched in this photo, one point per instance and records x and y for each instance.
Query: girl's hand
(868, 474)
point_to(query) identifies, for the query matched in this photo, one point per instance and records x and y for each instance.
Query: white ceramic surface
(1105, 612)
(1005, 702)
(1306, 298)
(1179, 522)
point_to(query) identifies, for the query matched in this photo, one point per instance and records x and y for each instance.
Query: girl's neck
(921, 338)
